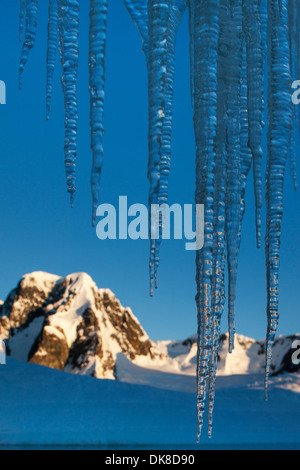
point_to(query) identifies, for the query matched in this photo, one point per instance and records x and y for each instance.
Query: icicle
(233, 195)
(164, 20)
(204, 34)
(264, 33)
(253, 34)
(219, 260)
(297, 70)
(158, 14)
(192, 45)
(246, 154)
(98, 21)
(219, 216)
(219, 299)
(280, 116)
(68, 25)
(30, 34)
(293, 14)
(21, 19)
(177, 9)
(158, 22)
(51, 51)
(264, 26)
(292, 155)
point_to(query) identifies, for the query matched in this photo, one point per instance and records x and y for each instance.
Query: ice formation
(158, 23)
(29, 13)
(234, 46)
(51, 51)
(98, 15)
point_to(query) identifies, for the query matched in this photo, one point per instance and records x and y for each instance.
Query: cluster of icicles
(233, 45)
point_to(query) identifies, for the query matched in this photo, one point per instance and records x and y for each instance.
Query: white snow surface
(44, 407)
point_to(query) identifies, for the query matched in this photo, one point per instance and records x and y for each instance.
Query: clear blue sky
(39, 231)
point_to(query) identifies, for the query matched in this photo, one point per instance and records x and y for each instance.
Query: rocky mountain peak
(70, 324)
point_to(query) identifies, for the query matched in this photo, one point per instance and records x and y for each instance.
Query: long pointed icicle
(280, 121)
(68, 25)
(293, 15)
(21, 19)
(158, 22)
(297, 54)
(219, 260)
(264, 25)
(253, 34)
(51, 51)
(30, 35)
(204, 32)
(177, 10)
(98, 21)
(218, 297)
(233, 195)
(158, 14)
(245, 151)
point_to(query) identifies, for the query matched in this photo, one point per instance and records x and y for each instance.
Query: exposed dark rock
(50, 349)
(88, 342)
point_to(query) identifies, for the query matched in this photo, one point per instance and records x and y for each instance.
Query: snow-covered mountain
(70, 324)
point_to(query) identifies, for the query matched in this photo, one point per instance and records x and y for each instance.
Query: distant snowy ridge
(248, 356)
(71, 325)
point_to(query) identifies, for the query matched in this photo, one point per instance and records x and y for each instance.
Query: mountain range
(69, 324)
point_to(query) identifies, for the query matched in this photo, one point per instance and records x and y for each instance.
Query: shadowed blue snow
(44, 407)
